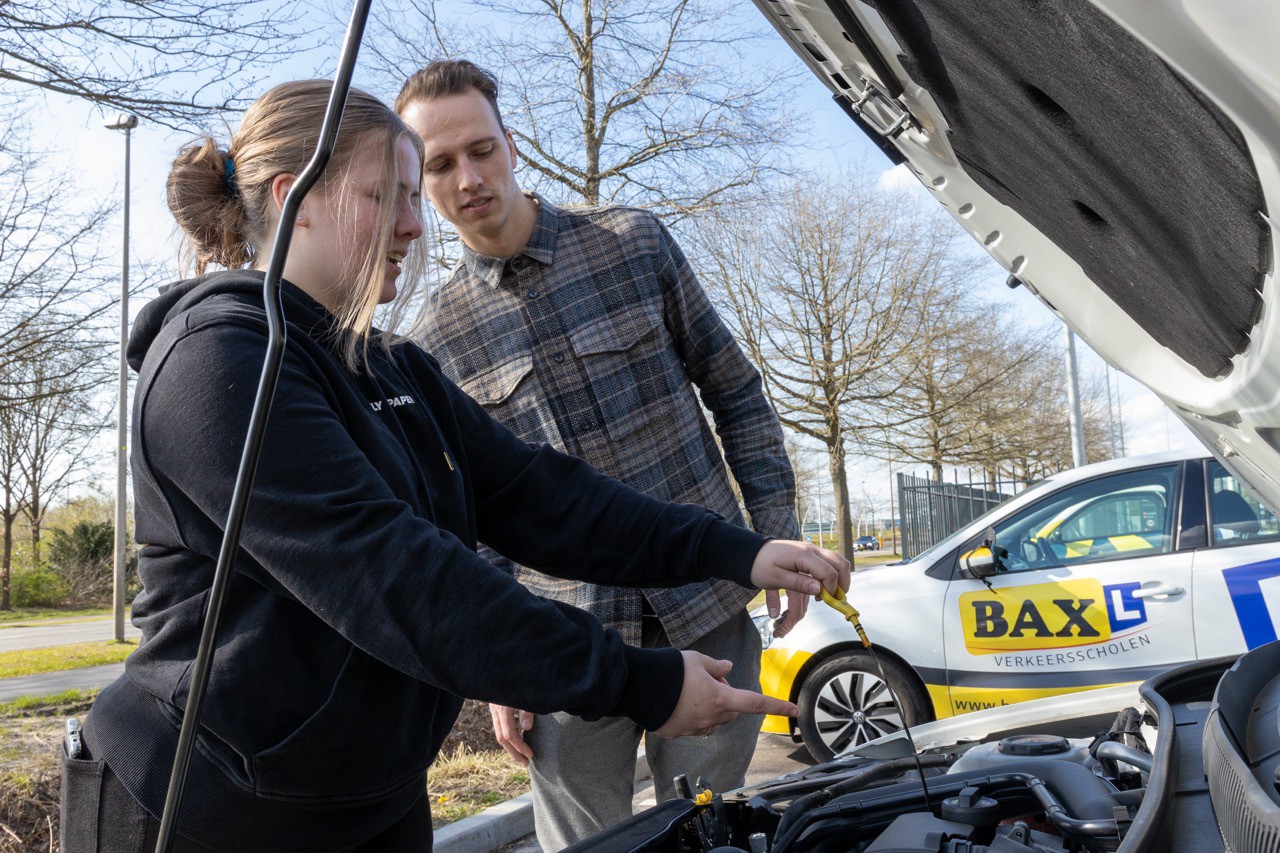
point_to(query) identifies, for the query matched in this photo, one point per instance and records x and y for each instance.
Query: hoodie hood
(246, 285)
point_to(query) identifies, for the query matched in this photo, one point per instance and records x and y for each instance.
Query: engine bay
(1031, 792)
(1149, 779)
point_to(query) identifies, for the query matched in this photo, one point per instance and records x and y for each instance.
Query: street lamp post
(1074, 418)
(127, 123)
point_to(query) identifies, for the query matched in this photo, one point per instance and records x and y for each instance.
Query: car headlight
(765, 626)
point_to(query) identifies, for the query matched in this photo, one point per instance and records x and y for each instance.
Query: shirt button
(532, 294)
(558, 358)
(519, 263)
(584, 425)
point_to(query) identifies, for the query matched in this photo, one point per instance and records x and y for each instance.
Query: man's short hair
(446, 77)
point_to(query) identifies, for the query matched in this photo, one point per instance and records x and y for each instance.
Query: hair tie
(229, 174)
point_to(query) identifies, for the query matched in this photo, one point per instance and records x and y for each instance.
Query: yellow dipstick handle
(704, 797)
(845, 609)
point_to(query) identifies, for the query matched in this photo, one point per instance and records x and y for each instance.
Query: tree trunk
(590, 120)
(840, 487)
(36, 519)
(5, 601)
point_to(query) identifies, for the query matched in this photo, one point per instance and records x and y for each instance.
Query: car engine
(1197, 763)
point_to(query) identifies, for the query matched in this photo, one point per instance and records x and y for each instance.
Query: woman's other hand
(707, 701)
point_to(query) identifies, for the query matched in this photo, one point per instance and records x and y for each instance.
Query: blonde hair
(222, 198)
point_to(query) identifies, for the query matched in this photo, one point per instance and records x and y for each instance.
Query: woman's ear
(280, 186)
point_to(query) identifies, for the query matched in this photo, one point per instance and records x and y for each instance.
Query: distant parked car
(866, 543)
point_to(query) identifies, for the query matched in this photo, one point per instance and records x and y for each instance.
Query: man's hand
(707, 701)
(797, 606)
(509, 726)
(798, 567)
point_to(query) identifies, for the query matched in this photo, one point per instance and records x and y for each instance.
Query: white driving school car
(1108, 574)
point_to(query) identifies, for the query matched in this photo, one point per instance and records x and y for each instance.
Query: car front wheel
(845, 702)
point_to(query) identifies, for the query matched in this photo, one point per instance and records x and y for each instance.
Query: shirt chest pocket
(632, 366)
(507, 393)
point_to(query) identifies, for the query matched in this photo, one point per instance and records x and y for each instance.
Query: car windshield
(1128, 514)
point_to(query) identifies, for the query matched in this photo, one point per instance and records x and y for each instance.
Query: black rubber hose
(276, 338)
(875, 772)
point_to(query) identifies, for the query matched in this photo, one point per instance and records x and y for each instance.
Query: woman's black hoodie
(359, 612)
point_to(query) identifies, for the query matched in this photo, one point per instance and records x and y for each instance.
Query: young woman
(359, 612)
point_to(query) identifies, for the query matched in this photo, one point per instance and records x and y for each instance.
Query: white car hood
(977, 726)
(1121, 158)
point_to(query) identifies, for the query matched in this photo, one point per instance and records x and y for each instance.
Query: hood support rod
(276, 338)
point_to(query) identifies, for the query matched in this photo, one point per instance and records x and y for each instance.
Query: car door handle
(1158, 589)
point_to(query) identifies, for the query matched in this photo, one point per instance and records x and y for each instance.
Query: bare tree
(168, 60)
(1022, 430)
(62, 417)
(963, 356)
(44, 438)
(817, 285)
(641, 102)
(54, 319)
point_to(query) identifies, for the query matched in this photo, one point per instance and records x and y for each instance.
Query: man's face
(467, 173)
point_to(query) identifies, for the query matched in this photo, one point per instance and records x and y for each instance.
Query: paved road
(13, 638)
(48, 683)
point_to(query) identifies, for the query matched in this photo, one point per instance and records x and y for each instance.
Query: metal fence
(931, 510)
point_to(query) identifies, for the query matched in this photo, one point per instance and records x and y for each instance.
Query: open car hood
(1120, 158)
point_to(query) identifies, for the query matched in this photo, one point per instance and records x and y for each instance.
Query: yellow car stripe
(966, 699)
(778, 671)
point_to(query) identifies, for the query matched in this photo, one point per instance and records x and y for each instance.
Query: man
(585, 328)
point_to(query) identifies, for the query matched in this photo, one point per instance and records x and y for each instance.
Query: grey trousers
(582, 773)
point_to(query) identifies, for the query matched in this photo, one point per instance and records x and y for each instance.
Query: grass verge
(57, 658)
(10, 618)
(466, 782)
(30, 734)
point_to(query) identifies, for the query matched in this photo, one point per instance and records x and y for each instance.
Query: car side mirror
(985, 560)
(979, 563)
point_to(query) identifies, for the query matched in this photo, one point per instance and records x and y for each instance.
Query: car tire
(844, 702)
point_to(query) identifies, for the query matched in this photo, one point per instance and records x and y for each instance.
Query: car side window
(1121, 516)
(1236, 516)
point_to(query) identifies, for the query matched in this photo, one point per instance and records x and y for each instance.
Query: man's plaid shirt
(588, 341)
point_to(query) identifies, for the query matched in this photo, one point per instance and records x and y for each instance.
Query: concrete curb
(489, 830)
(503, 823)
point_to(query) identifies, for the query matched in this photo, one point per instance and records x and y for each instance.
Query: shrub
(38, 586)
(83, 558)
